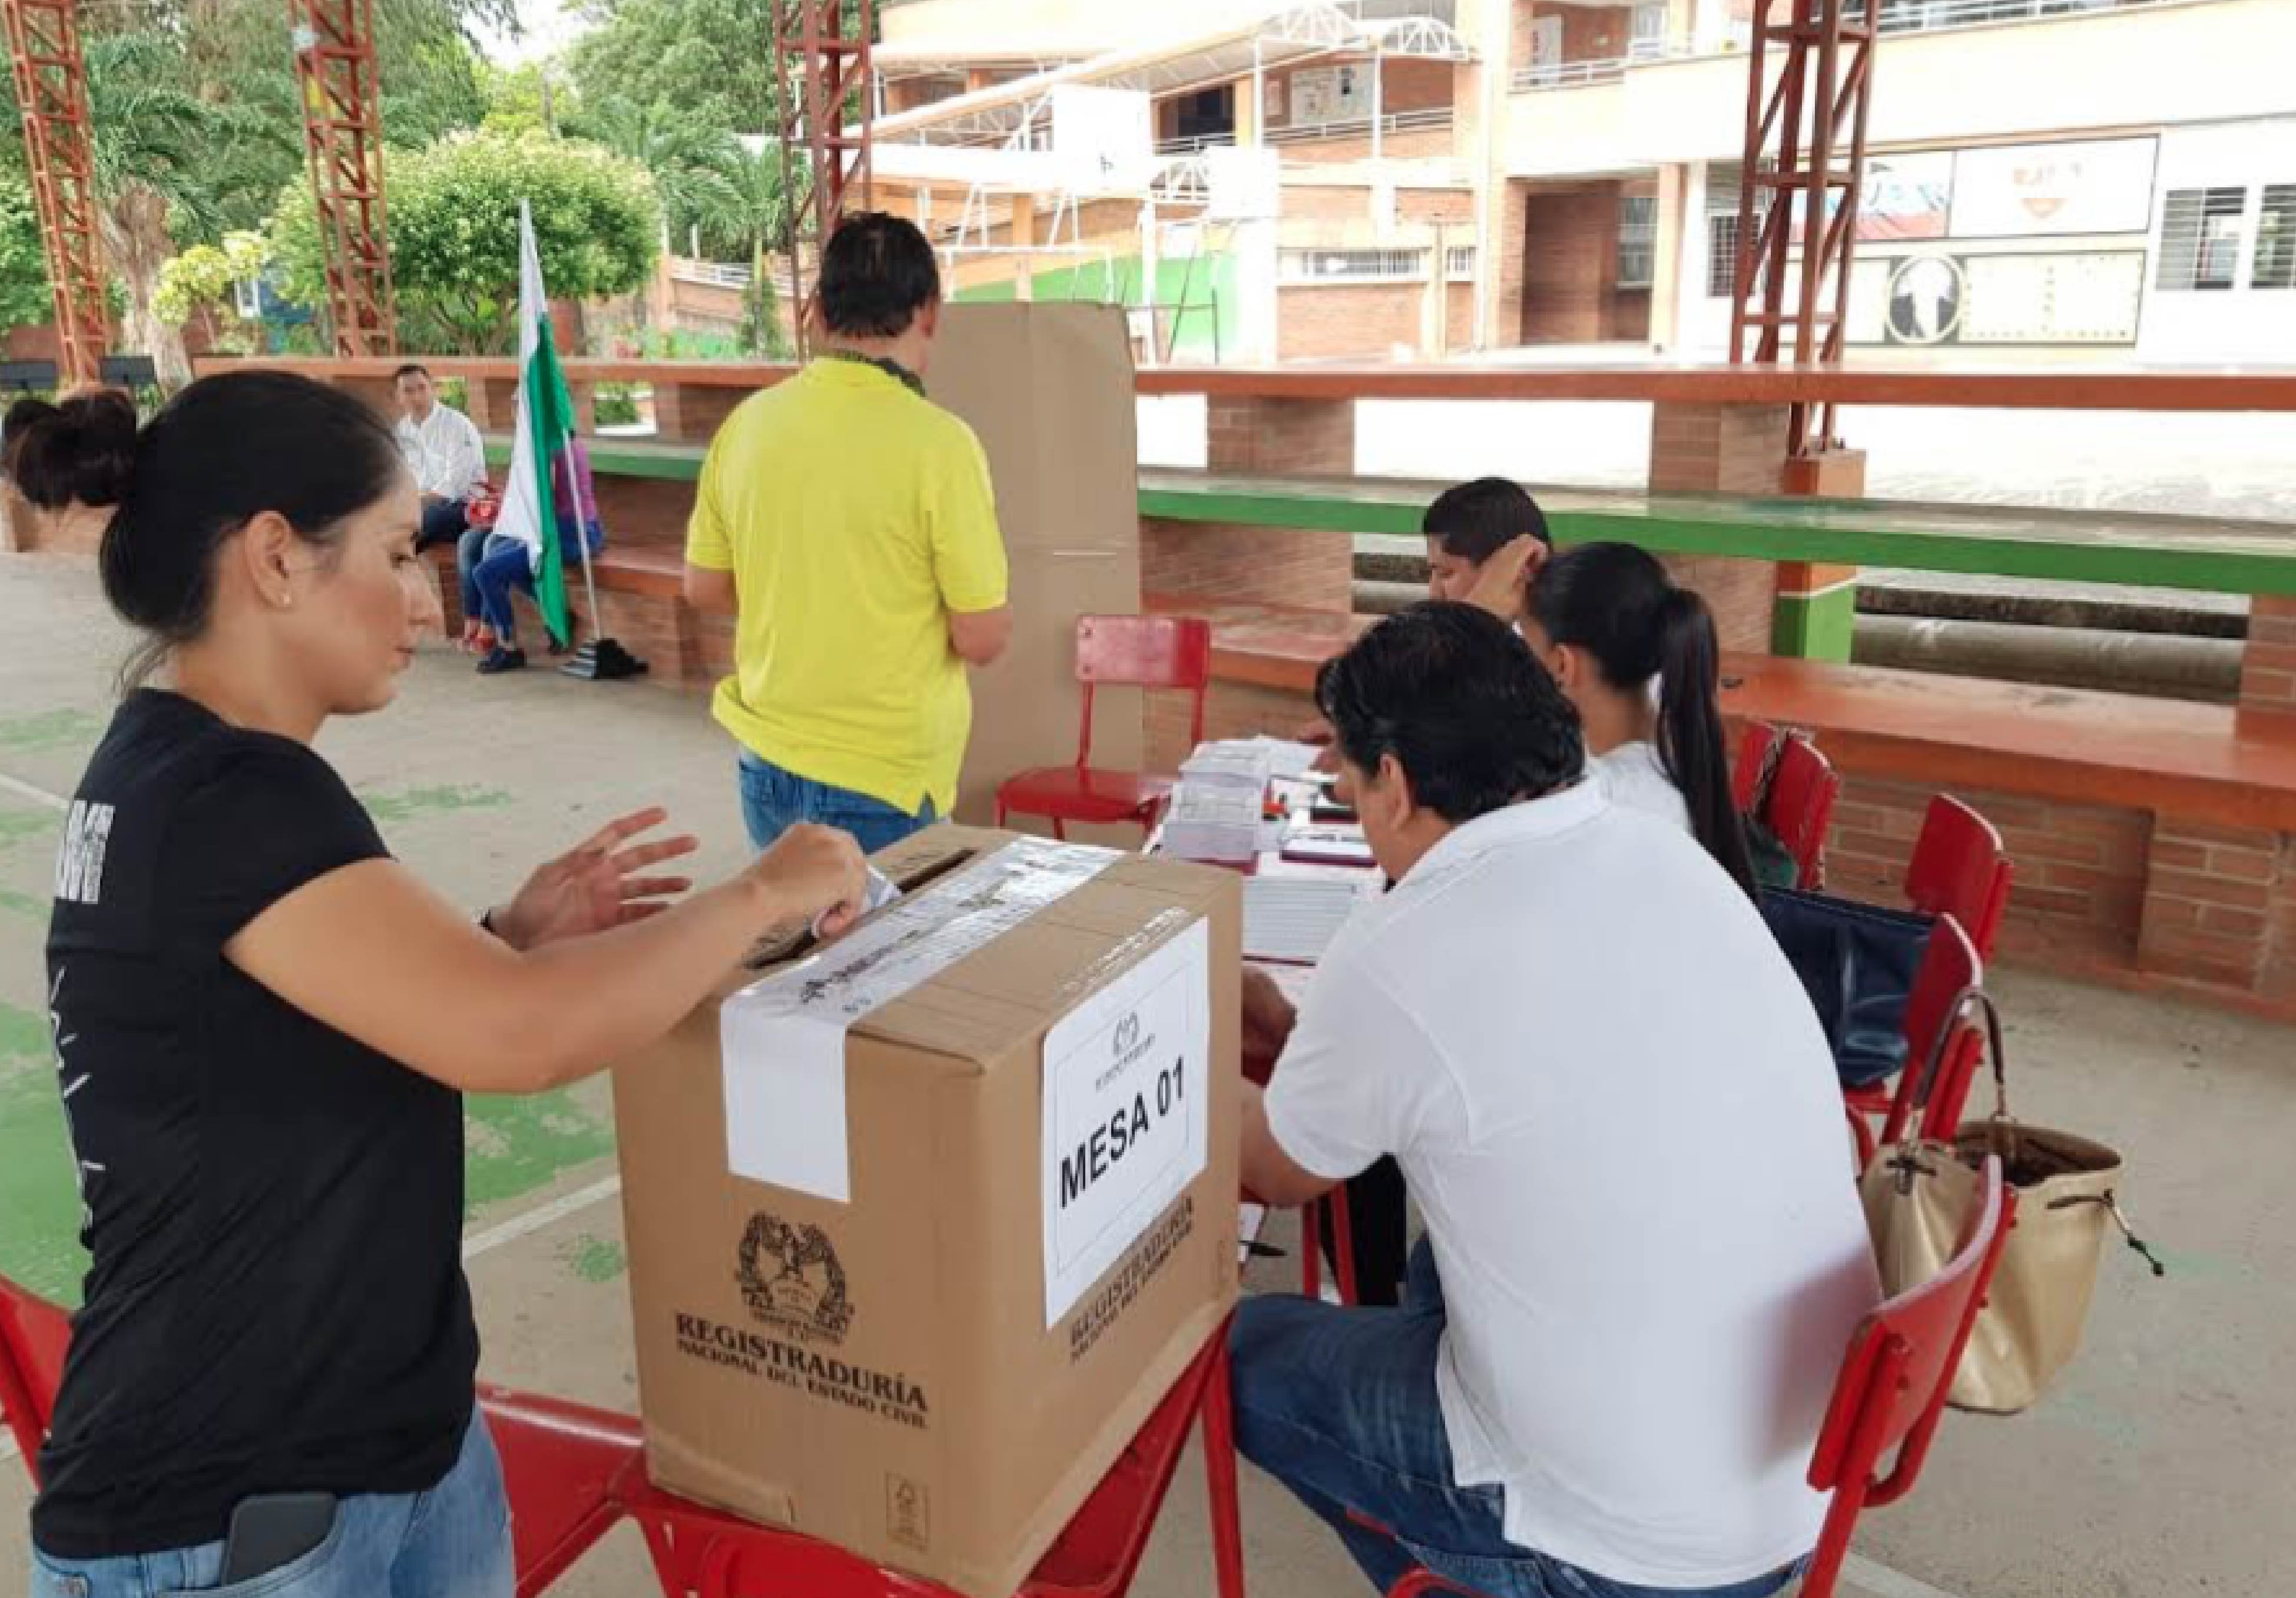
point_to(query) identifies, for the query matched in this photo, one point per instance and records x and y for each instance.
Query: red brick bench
(641, 601)
(2155, 840)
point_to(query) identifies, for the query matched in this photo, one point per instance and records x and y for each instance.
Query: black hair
(877, 273)
(412, 368)
(1615, 602)
(1476, 520)
(221, 452)
(1461, 703)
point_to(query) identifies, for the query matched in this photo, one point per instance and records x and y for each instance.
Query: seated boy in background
(1486, 540)
(1468, 527)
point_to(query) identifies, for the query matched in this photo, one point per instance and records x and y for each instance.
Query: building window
(1722, 233)
(1637, 239)
(2200, 238)
(1352, 266)
(2276, 239)
(247, 299)
(1459, 262)
(1648, 40)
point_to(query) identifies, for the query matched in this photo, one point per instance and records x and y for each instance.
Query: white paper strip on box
(782, 1040)
(1125, 1078)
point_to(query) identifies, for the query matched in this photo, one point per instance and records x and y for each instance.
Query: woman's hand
(815, 873)
(1500, 586)
(595, 887)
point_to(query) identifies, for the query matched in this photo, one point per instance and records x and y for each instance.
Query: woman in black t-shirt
(264, 1024)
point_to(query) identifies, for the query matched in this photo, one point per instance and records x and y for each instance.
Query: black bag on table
(1858, 963)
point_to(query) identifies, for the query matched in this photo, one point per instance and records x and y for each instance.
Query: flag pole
(585, 512)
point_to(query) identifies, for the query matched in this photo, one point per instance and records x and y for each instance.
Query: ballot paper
(1293, 920)
(880, 890)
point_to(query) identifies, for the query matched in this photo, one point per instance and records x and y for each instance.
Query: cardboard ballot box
(923, 1225)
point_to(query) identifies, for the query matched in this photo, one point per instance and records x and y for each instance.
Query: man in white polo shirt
(445, 453)
(1644, 1254)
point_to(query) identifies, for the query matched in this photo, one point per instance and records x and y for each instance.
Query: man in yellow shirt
(848, 524)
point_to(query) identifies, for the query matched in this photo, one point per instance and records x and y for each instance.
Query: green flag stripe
(550, 411)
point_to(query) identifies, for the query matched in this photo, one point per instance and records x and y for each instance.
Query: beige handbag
(1919, 1195)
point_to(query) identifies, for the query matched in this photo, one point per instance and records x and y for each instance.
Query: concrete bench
(2155, 840)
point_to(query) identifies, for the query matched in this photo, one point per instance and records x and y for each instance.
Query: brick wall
(1570, 267)
(1398, 143)
(1740, 593)
(2209, 904)
(644, 512)
(1447, 206)
(2079, 899)
(2267, 672)
(1315, 436)
(1414, 86)
(1269, 565)
(1728, 449)
(1355, 319)
(1459, 316)
(1233, 709)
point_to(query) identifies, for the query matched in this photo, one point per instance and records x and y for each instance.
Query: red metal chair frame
(1951, 966)
(571, 1473)
(1961, 868)
(1151, 652)
(1887, 1400)
(1800, 805)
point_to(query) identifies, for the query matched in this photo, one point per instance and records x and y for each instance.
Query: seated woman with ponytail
(1611, 625)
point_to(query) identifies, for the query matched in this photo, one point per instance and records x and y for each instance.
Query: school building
(1427, 179)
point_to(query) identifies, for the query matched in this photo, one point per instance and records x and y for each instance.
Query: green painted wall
(1206, 295)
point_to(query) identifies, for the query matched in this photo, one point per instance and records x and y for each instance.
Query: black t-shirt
(276, 1300)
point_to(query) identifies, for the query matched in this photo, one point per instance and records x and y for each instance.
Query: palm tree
(694, 163)
(166, 163)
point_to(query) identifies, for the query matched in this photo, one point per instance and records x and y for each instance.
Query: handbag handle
(2002, 1126)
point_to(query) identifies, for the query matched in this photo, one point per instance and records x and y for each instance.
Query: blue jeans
(443, 521)
(1339, 1405)
(774, 800)
(451, 1542)
(493, 566)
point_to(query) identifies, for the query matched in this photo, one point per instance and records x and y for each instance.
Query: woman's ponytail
(1691, 744)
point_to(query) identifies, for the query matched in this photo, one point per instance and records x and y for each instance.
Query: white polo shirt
(1615, 1108)
(1635, 778)
(444, 452)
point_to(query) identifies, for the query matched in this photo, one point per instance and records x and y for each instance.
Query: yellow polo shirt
(854, 516)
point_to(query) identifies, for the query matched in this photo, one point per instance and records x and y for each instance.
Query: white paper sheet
(782, 1040)
(1125, 1078)
(1294, 919)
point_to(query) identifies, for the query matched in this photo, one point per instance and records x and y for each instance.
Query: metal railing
(1935, 16)
(1401, 121)
(724, 274)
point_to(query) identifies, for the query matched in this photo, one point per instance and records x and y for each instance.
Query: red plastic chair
(1960, 868)
(702, 1553)
(571, 1473)
(1801, 807)
(1141, 652)
(1892, 1388)
(1951, 966)
(566, 1468)
(33, 1334)
(1887, 1401)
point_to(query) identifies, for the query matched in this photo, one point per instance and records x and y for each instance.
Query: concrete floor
(2164, 1464)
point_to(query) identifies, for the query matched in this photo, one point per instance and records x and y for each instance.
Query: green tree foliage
(711, 60)
(454, 233)
(696, 167)
(24, 300)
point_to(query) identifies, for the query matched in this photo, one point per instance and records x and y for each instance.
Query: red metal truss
(822, 49)
(1802, 173)
(51, 90)
(342, 136)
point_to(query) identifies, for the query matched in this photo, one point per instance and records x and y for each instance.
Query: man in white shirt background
(444, 451)
(1644, 1253)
